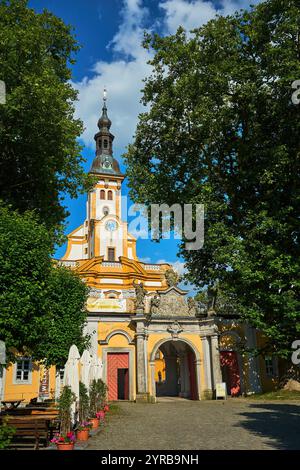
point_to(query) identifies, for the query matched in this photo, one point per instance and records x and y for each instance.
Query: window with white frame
(23, 370)
(269, 364)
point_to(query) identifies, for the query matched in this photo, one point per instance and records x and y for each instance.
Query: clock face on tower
(111, 225)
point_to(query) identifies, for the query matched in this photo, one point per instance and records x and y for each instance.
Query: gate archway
(181, 369)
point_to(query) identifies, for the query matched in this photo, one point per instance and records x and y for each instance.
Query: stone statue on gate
(154, 307)
(193, 307)
(212, 293)
(140, 294)
(172, 277)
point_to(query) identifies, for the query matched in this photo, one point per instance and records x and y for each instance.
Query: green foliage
(83, 403)
(65, 297)
(222, 130)
(6, 433)
(97, 393)
(39, 152)
(66, 399)
(25, 265)
(42, 306)
(220, 302)
(102, 392)
(93, 394)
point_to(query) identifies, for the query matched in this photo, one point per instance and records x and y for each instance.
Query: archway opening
(175, 370)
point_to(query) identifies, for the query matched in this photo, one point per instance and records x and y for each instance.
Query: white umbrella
(85, 362)
(99, 369)
(71, 374)
(92, 371)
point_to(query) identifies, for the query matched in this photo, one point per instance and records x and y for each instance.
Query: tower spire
(104, 163)
(104, 122)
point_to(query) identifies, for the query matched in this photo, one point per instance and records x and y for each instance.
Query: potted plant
(102, 394)
(66, 438)
(83, 410)
(100, 415)
(106, 408)
(82, 430)
(64, 442)
(93, 393)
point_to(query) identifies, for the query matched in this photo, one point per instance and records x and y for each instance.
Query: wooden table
(20, 418)
(11, 404)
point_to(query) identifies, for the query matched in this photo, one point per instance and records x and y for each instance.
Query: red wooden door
(231, 372)
(192, 374)
(115, 361)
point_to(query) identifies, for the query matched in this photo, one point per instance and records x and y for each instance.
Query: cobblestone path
(175, 424)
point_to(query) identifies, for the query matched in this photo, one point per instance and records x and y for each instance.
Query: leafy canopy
(222, 130)
(39, 154)
(42, 309)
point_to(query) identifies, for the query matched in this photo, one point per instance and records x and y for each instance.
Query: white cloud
(124, 81)
(186, 14)
(178, 266)
(193, 13)
(145, 259)
(124, 74)
(123, 78)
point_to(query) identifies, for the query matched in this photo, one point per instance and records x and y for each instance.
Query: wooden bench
(30, 428)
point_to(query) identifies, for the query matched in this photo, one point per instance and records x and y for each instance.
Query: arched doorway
(175, 370)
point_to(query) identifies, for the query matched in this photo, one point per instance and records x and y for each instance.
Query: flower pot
(82, 435)
(95, 423)
(65, 446)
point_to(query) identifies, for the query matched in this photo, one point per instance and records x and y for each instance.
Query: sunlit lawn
(276, 395)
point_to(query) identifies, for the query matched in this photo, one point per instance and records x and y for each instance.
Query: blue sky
(110, 32)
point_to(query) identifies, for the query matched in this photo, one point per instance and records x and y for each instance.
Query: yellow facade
(13, 390)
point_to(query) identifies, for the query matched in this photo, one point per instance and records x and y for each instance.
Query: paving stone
(183, 424)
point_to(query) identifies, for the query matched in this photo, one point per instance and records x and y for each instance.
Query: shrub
(83, 402)
(98, 392)
(66, 399)
(6, 433)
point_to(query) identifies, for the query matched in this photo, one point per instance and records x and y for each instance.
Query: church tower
(105, 229)
(103, 233)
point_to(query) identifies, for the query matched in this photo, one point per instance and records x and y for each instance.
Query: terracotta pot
(95, 423)
(65, 446)
(82, 435)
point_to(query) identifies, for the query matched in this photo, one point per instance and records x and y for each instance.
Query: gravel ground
(176, 424)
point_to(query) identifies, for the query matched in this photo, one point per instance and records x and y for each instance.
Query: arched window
(102, 194)
(110, 195)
